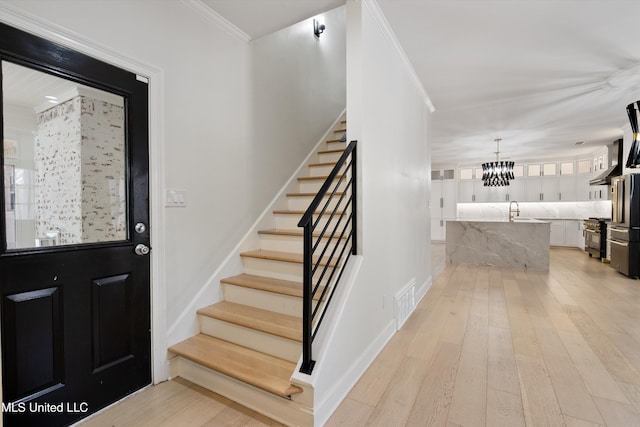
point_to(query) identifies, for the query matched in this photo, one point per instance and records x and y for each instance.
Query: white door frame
(45, 29)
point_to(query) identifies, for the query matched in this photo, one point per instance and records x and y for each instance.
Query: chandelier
(498, 173)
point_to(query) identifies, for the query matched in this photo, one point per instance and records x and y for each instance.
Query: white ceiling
(258, 18)
(540, 74)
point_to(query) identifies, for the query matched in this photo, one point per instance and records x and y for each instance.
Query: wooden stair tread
(337, 150)
(261, 370)
(339, 130)
(294, 212)
(270, 322)
(338, 193)
(317, 178)
(296, 233)
(283, 256)
(314, 165)
(269, 284)
(335, 140)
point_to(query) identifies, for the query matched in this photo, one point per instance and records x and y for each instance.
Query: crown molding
(215, 18)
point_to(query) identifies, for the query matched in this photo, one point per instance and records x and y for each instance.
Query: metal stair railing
(327, 251)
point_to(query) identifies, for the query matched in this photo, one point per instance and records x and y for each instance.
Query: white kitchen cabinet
(541, 190)
(534, 170)
(443, 202)
(557, 233)
(567, 168)
(587, 193)
(572, 233)
(567, 188)
(516, 190)
(489, 194)
(465, 191)
(448, 203)
(549, 189)
(533, 188)
(599, 192)
(583, 189)
(475, 191)
(549, 169)
(562, 180)
(566, 232)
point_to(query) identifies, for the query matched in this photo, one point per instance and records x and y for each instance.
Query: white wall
(299, 89)
(390, 114)
(209, 140)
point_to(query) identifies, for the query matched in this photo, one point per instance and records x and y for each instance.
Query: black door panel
(33, 319)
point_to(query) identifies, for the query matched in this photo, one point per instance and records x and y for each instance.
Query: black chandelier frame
(498, 173)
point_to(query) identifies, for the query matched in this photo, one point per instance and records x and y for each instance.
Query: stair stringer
(186, 324)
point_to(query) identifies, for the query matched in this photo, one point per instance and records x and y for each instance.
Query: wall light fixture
(318, 28)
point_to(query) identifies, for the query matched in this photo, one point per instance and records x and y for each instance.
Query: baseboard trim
(339, 391)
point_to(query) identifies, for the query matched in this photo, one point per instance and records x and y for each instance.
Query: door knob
(142, 249)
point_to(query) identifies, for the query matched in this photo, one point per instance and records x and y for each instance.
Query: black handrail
(338, 234)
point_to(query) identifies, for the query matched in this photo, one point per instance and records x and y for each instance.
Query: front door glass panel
(64, 161)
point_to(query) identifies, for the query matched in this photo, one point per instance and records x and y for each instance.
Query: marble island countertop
(520, 244)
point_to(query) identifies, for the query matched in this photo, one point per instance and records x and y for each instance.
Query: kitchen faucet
(511, 211)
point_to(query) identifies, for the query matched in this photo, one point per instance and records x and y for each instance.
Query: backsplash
(542, 210)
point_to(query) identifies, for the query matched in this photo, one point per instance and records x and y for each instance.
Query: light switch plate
(176, 198)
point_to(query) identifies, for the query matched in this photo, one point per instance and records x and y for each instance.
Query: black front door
(74, 263)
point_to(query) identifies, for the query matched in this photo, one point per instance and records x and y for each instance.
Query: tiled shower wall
(80, 172)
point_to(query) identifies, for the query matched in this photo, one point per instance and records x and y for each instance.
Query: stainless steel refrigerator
(625, 225)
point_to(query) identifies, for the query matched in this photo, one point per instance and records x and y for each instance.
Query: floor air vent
(405, 303)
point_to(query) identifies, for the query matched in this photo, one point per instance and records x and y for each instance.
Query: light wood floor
(485, 347)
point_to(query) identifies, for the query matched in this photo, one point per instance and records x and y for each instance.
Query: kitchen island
(518, 244)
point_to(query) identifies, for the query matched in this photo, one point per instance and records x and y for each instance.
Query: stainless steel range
(595, 237)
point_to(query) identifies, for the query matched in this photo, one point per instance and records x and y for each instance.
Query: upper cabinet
(557, 181)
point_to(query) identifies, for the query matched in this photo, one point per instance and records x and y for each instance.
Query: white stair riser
(313, 186)
(324, 170)
(291, 412)
(275, 269)
(272, 301)
(329, 157)
(290, 222)
(260, 341)
(301, 203)
(271, 242)
(335, 146)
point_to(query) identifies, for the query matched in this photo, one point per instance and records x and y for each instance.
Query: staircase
(249, 344)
